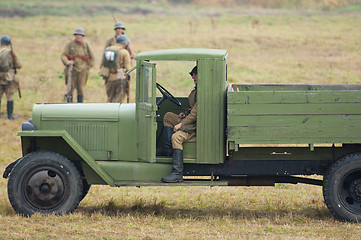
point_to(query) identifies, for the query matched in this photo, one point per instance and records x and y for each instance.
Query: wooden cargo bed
(293, 114)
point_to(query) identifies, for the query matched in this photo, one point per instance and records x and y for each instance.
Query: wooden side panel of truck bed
(294, 114)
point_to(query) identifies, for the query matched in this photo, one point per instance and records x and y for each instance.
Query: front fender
(73, 144)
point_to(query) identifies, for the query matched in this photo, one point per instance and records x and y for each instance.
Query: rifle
(69, 97)
(14, 67)
(115, 19)
(128, 87)
(127, 74)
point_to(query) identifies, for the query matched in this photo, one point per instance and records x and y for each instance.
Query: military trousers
(116, 90)
(8, 89)
(171, 119)
(78, 81)
(178, 138)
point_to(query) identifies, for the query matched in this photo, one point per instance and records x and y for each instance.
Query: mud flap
(10, 167)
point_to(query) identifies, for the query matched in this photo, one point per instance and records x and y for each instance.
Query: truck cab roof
(183, 54)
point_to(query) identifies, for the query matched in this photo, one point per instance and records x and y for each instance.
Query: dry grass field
(264, 46)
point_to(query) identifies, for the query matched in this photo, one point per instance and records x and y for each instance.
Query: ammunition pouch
(117, 74)
(10, 75)
(104, 72)
(73, 57)
(121, 73)
(84, 58)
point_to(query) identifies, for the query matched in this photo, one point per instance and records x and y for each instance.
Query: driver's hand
(182, 115)
(176, 127)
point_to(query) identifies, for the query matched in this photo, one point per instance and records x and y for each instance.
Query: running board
(186, 182)
(229, 181)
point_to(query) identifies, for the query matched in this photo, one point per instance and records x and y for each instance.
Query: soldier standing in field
(115, 63)
(119, 30)
(9, 62)
(179, 128)
(78, 59)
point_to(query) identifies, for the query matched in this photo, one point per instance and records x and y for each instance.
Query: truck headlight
(28, 126)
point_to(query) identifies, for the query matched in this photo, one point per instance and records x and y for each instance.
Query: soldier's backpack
(110, 58)
(4, 60)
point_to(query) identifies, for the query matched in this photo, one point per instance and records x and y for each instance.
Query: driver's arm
(192, 117)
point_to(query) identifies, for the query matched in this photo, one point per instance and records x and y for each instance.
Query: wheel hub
(355, 189)
(45, 189)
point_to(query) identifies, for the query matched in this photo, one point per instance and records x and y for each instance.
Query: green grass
(351, 8)
(296, 47)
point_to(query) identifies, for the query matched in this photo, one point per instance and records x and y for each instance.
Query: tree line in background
(270, 3)
(90, 8)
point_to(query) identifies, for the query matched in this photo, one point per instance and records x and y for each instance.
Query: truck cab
(209, 148)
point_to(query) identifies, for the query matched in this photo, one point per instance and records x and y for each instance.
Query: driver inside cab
(177, 130)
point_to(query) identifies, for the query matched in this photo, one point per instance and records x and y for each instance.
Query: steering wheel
(167, 95)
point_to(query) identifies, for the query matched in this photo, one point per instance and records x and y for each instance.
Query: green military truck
(247, 135)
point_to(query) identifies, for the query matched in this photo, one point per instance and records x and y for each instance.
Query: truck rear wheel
(44, 182)
(342, 188)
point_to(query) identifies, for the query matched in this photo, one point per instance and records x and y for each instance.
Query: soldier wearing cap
(77, 54)
(177, 130)
(119, 30)
(115, 63)
(8, 79)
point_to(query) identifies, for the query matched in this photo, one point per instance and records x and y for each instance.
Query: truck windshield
(174, 76)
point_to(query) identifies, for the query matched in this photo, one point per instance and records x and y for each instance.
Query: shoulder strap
(86, 49)
(72, 47)
(120, 56)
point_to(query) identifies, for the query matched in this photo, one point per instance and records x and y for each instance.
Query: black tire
(44, 182)
(342, 188)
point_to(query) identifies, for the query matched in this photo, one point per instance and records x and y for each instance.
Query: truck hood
(104, 112)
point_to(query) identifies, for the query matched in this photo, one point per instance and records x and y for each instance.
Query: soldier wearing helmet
(78, 57)
(115, 63)
(119, 30)
(9, 82)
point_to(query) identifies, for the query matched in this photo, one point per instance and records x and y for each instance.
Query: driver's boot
(177, 171)
(166, 149)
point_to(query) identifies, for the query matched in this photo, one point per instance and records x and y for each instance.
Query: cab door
(146, 111)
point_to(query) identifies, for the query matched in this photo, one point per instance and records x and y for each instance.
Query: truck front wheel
(44, 182)
(342, 188)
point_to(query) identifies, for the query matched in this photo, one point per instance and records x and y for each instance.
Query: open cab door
(146, 111)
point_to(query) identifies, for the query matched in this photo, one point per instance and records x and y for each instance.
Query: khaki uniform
(189, 123)
(113, 41)
(116, 82)
(110, 42)
(8, 80)
(83, 58)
